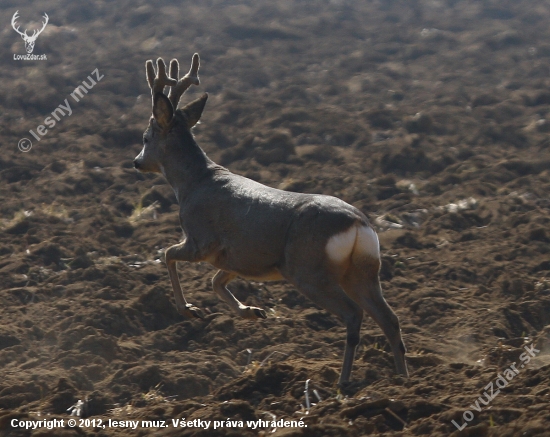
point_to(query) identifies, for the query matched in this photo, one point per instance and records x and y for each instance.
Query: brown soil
(430, 116)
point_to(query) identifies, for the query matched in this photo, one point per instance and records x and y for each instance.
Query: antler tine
(150, 70)
(191, 78)
(174, 69)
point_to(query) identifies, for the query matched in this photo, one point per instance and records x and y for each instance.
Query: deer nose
(136, 164)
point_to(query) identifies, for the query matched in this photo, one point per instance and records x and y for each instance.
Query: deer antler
(191, 78)
(35, 32)
(38, 32)
(178, 87)
(160, 80)
(13, 23)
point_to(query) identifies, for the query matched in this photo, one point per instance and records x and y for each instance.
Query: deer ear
(193, 110)
(163, 111)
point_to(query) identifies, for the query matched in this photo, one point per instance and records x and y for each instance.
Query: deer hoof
(191, 312)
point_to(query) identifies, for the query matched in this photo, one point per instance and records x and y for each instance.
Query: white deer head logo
(29, 40)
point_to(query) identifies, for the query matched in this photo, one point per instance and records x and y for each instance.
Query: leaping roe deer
(320, 244)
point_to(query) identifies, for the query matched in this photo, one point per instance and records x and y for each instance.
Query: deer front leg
(181, 252)
(219, 282)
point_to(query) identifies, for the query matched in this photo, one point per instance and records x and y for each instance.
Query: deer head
(29, 40)
(168, 125)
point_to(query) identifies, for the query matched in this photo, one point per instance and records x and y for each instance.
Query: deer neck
(186, 166)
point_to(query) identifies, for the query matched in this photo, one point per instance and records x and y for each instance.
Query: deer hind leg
(326, 293)
(181, 252)
(369, 296)
(219, 282)
(362, 284)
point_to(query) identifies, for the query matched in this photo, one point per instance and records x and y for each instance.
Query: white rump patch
(359, 240)
(367, 242)
(340, 246)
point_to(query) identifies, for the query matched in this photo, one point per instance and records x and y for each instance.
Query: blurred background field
(432, 117)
